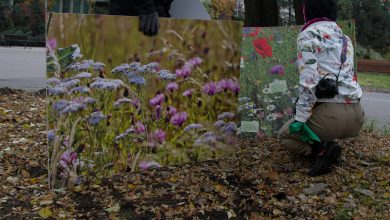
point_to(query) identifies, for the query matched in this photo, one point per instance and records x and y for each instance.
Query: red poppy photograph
(262, 47)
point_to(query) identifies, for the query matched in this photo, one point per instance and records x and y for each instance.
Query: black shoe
(337, 159)
(323, 163)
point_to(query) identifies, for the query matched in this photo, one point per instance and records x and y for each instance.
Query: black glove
(149, 24)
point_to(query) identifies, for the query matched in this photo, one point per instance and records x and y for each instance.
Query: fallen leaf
(45, 213)
(114, 209)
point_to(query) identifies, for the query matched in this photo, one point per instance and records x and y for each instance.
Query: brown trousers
(329, 121)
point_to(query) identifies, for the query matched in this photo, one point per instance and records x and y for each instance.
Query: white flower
(271, 107)
(268, 100)
(271, 117)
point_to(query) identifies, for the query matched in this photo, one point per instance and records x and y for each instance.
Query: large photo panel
(121, 101)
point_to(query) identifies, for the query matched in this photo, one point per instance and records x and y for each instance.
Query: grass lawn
(374, 80)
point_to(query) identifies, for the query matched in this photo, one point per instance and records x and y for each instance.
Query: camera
(327, 88)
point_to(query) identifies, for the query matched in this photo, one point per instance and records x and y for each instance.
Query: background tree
(261, 13)
(298, 8)
(373, 23)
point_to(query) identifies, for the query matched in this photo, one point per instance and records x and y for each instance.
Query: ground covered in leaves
(262, 181)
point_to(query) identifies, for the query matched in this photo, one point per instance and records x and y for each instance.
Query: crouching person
(329, 105)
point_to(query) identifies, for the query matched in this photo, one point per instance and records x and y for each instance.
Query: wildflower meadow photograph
(119, 101)
(269, 78)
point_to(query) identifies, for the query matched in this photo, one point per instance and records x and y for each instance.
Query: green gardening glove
(307, 135)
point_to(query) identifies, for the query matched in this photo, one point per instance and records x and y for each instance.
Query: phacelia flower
(83, 75)
(51, 135)
(53, 81)
(171, 87)
(219, 124)
(119, 102)
(171, 110)
(98, 66)
(224, 115)
(60, 105)
(123, 68)
(229, 128)
(137, 80)
(72, 108)
(69, 83)
(193, 127)
(89, 101)
(157, 100)
(79, 89)
(166, 75)
(134, 65)
(96, 117)
(58, 90)
(179, 118)
(107, 84)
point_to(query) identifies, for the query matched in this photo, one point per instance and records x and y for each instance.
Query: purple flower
(144, 165)
(230, 128)
(68, 159)
(179, 118)
(157, 100)
(107, 84)
(152, 67)
(229, 85)
(98, 66)
(219, 124)
(193, 127)
(211, 88)
(52, 43)
(57, 90)
(207, 138)
(96, 117)
(171, 111)
(166, 75)
(60, 105)
(185, 71)
(131, 74)
(83, 75)
(53, 81)
(188, 93)
(135, 65)
(278, 69)
(139, 128)
(160, 136)
(119, 102)
(72, 108)
(80, 89)
(171, 87)
(69, 83)
(137, 80)
(196, 61)
(89, 101)
(224, 115)
(123, 68)
(51, 135)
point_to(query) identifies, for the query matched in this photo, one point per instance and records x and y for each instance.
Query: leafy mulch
(262, 181)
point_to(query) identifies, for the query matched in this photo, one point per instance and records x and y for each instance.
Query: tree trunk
(298, 8)
(261, 13)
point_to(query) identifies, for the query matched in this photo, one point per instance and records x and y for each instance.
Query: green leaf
(114, 209)
(66, 56)
(311, 62)
(307, 49)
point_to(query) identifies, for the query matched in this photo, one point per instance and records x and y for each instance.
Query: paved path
(377, 107)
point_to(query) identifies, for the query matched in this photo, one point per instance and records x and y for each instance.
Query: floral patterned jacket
(319, 51)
